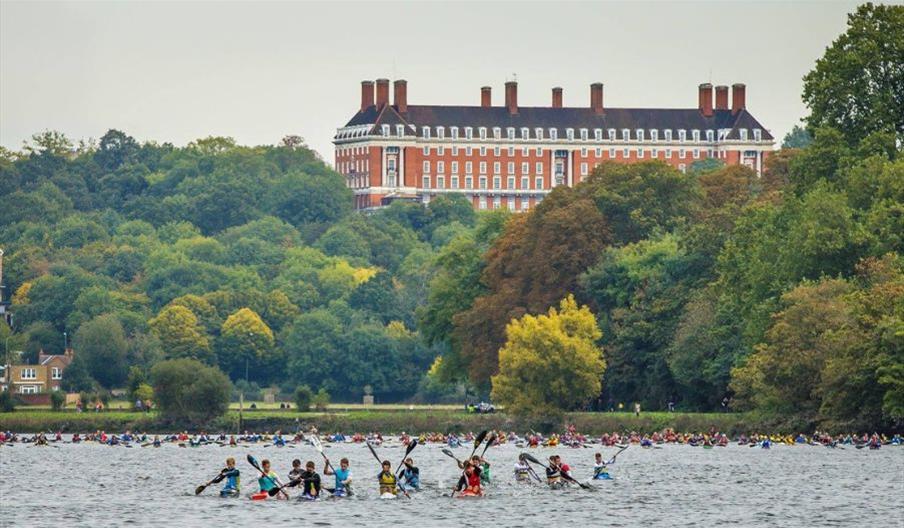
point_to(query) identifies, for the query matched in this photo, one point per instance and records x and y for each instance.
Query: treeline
(246, 258)
(783, 293)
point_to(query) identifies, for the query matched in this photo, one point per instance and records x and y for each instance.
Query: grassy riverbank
(385, 420)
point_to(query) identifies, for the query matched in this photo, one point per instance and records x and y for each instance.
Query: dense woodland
(782, 293)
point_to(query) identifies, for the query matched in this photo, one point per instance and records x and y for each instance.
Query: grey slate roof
(561, 119)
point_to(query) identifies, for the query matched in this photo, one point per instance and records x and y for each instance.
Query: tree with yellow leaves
(550, 362)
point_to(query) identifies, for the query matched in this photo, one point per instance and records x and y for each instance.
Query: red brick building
(511, 156)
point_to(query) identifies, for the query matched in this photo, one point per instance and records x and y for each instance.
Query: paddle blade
(448, 453)
(253, 462)
(411, 445)
(273, 491)
(479, 438)
(200, 488)
(530, 458)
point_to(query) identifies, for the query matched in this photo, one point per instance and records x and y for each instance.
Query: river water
(93, 485)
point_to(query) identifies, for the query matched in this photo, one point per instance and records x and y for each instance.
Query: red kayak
(263, 495)
(468, 495)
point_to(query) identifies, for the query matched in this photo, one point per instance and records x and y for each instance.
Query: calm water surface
(91, 485)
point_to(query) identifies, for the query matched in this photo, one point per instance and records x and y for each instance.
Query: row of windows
(497, 167)
(612, 134)
(345, 167)
(510, 203)
(454, 182)
(348, 151)
(30, 373)
(469, 151)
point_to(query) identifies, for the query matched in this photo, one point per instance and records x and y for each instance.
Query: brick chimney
(511, 97)
(382, 92)
(738, 97)
(367, 95)
(557, 97)
(721, 98)
(705, 99)
(486, 99)
(401, 95)
(596, 98)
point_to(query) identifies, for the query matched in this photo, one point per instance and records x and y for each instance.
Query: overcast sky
(258, 71)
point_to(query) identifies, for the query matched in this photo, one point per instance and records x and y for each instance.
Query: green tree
(857, 86)
(102, 342)
(180, 334)
(76, 377)
(303, 396)
(797, 138)
(321, 400)
(246, 340)
(188, 390)
(550, 362)
(57, 400)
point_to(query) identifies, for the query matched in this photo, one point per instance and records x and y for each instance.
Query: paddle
(477, 441)
(567, 477)
(214, 480)
(411, 446)
(315, 441)
(596, 473)
(449, 453)
(253, 462)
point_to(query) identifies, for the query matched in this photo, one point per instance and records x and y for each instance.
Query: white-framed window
(469, 182)
(400, 130)
(668, 153)
(455, 151)
(483, 167)
(483, 182)
(639, 133)
(483, 151)
(440, 132)
(525, 167)
(639, 153)
(584, 134)
(453, 131)
(538, 167)
(511, 167)
(553, 134)
(538, 183)
(525, 151)
(440, 167)
(384, 130)
(682, 167)
(611, 134)
(682, 135)
(453, 182)
(497, 202)
(585, 169)
(539, 151)
(599, 152)
(757, 134)
(440, 150)
(710, 135)
(668, 134)
(469, 133)
(626, 153)
(538, 132)
(696, 153)
(611, 153)
(583, 152)
(743, 133)
(682, 153)
(390, 165)
(469, 151)
(511, 152)
(569, 134)
(510, 201)
(469, 166)
(497, 151)
(497, 182)
(654, 153)
(426, 167)
(654, 135)
(598, 134)
(28, 389)
(482, 203)
(426, 151)
(497, 132)
(525, 133)
(710, 153)
(510, 182)
(497, 167)
(525, 204)
(440, 182)
(426, 182)
(483, 132)
(510, 133)
(454, 167)
(695, 134)
(525, 182)
(425, 131)
(28, 374)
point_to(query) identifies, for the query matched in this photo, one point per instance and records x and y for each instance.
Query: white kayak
(388, 496)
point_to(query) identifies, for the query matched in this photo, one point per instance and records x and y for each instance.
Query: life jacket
(233, 480)
(387, 482)
(473, 481)
(553, 475)
(522, 472)
(341, 475)
(267, 482)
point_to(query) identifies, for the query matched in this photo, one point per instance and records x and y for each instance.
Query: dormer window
(483, 132)
(668, 134)
(569, 133)
(654, 135)
(626, 134)
(440, 132)
(598, 134)
(538, 132)
(425, 131)
(743, 133)
(497, 133)
(469, 132)
(525, 133)
(639, 132)
(384, 130)
(710, 135)
(453, 131)
(696, 135)
(757, 134)
(611, 134)
(553, 133)
(682, 135)
(400, 130)
(510, 133)
(584, 134)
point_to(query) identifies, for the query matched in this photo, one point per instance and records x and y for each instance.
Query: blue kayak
(228, 493)
(603, 476)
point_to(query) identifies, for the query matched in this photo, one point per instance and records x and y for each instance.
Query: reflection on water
(81, 485)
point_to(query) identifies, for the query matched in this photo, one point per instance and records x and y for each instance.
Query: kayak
(603, 476)
(388, 496)
(229, 493)
(468, 495)
(307, 498)
(339, 494)
(558, 485)
(263, 495)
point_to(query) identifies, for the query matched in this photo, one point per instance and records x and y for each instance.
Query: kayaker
(484, 470)
(310, 481)
(522, 469)
(232, 475)
(554, 473)
(410, 476)
(469, 482)
(267, 480)
(386, 479)
(296, 471)
(343, 477)
(600, 471)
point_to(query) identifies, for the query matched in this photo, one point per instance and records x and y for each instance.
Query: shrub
(7, 404)
(186, 389)
(321, 400)
(143, 392)
(57, 400)
(303, 397)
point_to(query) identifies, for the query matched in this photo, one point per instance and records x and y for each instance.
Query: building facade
(512, 156)
(45, 376)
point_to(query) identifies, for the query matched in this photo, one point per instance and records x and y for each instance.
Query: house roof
(558, 118)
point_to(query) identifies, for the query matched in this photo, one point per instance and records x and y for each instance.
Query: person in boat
(410, 476)
(469, 482)
(156, 442)
(310, 481)
(387, 480)
(232, 477)
(554, 473)
(522, 469)
(600, 469)
(343, 477)
(296, 471)
(268, 478)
